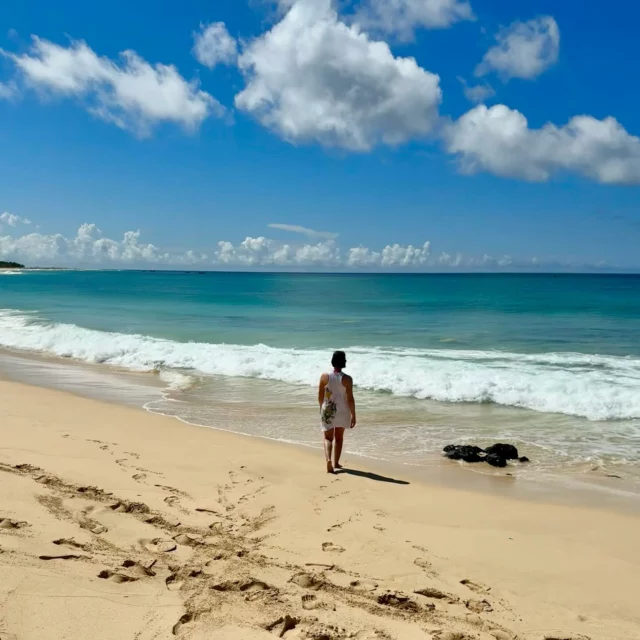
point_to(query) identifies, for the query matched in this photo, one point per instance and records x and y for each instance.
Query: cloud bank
(89, 248)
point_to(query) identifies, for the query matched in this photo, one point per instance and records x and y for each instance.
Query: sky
(392, 135)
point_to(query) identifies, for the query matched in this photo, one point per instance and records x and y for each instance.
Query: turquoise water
(434, 356)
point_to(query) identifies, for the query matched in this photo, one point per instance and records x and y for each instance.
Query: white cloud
(310, 233)
(523, 49)
(261, 252)
(131, 93)
(87, 247)
(395, 255)
(8, 90)
(479, 93)
(12, 220)
(214, 45)
(403, 17)
(90, 248)
(314, 78)
(498, 140)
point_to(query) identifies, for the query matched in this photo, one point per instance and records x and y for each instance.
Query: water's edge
(142, 391)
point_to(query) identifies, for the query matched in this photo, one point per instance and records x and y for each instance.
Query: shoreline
(142, 390)
(261, 527)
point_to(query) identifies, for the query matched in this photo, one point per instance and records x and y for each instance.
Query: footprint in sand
(158, 545)
(307, 581)
(188, 540)
(282, 625)
(10, 525)
(363, 585)
(329, 547)
(475, 586)
(184, 620)
(397, 600)
(139, 569)
(118, 578)
(422, 563)
(436, 594)
(479, 606)
(173, 490)
(173, 583)
(129, 507)
(93, 526)
(140, 477)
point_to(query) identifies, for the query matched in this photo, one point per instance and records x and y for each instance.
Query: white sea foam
(176, 381)
(591, 386)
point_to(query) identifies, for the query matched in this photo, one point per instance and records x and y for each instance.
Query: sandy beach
(116, 523)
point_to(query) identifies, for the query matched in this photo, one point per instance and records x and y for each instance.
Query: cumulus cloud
(12, 220)
(263, 252)
(313, 78)
(130, 93)
(498, 140)
(214, 45)
(395, 255)
(523, 49)
(310, 233)
(88, 247)
(477, 93)
(403, 17)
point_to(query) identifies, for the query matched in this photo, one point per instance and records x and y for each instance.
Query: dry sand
(118, 524)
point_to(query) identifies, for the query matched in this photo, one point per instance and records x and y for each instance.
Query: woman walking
(337, 408)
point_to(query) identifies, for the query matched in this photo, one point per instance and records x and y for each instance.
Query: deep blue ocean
(464, 356)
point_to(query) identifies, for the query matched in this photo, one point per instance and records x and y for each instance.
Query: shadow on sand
(370, 476)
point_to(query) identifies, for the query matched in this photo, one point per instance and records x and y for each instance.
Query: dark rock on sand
(506, 451)
(524, 459)
(464, 452)
(495, 460)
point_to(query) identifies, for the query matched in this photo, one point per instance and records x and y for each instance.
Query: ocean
(549, 362)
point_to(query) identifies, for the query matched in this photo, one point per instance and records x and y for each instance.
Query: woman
(337, 408)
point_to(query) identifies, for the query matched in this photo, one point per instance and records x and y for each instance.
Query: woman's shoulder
(324, 378)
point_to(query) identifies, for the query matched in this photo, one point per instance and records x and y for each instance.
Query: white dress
(335, 412)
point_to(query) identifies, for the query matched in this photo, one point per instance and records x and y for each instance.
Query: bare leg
(328, 447)
(338, 452)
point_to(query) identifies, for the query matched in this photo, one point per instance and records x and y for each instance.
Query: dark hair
(339, 360)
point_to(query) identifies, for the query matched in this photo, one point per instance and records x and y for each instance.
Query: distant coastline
(11, 265)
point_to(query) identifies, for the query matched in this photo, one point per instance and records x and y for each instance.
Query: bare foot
(330, 467)
(338, 466)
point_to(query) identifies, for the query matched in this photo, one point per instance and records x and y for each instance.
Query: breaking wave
(591, 386)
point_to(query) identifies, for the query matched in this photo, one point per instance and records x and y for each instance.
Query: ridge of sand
(115, 523)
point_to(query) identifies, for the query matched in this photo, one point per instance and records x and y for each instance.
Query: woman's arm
(348, 383)
(323, 383)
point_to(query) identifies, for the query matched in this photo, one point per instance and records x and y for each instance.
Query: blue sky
(315, 117)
